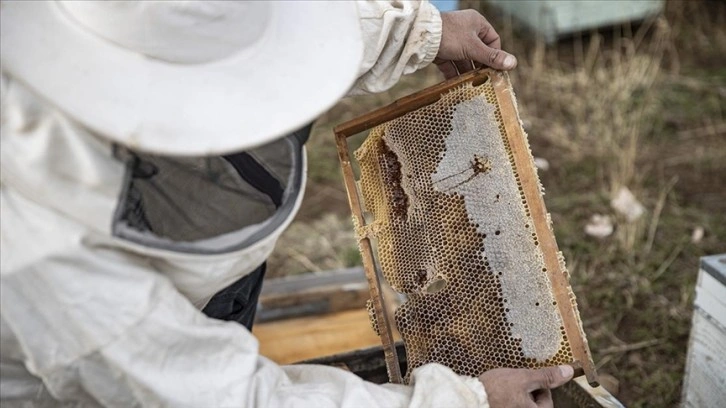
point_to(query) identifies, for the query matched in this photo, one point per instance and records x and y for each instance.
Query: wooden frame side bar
(528, 177)
(374, 284)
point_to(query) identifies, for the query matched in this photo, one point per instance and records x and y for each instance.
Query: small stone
(600, 226)
(697, 235)
(541, 163)
(627, 205)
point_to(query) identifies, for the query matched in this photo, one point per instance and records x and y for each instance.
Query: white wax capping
(493, 202)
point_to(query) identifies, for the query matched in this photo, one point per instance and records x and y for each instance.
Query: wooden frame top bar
(409, 103)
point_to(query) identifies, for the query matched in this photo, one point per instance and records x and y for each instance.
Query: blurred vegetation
(636, 106)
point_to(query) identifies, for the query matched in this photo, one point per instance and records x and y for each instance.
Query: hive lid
(715, 265)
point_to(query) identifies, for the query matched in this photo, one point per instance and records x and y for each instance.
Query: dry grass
(597, 105)
(322, 244)
(639, 107)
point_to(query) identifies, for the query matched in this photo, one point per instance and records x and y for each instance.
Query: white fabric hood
(185, 78)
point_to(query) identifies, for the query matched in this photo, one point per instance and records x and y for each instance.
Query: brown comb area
(453, 232)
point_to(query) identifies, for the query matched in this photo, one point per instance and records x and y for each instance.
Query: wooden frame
(530, 183)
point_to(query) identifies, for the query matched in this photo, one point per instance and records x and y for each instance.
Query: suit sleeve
(399, 38)
(99, 326)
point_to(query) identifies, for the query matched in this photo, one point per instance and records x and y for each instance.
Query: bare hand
(469, 41)
(519, 388)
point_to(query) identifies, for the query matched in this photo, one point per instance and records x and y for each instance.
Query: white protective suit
(96, 310)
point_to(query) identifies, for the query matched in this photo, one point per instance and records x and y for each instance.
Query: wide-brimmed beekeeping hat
(184, 78)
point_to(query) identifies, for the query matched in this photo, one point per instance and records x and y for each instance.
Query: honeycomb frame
(573, 348)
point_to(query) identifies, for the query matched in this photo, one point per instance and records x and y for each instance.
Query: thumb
(491, 57)
(550, 377)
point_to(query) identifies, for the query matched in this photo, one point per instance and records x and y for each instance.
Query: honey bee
(480, 165)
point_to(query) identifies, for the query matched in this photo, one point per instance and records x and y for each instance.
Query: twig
(631, 347)
(693, 84)
(667, 263)
(603, 361)
(305, 261)
(656, 213)
(710, 130)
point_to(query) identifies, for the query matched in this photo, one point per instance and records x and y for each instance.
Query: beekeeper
(151, 154)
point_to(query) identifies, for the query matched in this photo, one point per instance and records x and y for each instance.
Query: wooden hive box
(705, 380)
